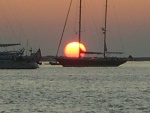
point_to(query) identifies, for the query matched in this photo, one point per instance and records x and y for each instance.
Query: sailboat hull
(15, 64)
(91, 62)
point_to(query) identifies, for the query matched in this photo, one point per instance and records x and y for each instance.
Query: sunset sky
(41, 23)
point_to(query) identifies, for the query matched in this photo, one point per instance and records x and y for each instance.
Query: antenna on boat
(105, 29)
(80, 25)
(27, 48)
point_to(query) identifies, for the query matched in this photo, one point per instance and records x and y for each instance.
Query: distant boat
(104, 61)
(54, 63)
(16, 59)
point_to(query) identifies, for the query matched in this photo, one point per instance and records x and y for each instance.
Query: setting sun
(72, 49)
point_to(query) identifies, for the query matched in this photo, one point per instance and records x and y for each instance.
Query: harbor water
(56, 89)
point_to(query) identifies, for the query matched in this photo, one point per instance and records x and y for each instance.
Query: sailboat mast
(105, 29)
(80, 25)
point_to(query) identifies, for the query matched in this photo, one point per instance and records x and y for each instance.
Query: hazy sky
(41, 23)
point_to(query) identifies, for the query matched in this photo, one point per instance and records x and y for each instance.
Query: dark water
(54, 89)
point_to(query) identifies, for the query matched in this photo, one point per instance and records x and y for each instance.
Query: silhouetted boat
(104, 61)
(54, 63)
(16, 59)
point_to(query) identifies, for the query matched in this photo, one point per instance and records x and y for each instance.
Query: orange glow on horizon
(72, 49)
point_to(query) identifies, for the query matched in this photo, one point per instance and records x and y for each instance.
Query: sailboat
(104, 61)
(17, 59)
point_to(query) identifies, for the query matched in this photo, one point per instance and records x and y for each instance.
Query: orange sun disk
(72, 49)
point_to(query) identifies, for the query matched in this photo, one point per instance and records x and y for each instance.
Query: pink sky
(42, 22)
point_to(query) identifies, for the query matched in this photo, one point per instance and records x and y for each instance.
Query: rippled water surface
(55, 89)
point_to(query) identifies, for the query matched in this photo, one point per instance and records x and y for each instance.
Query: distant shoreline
(139, 59)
